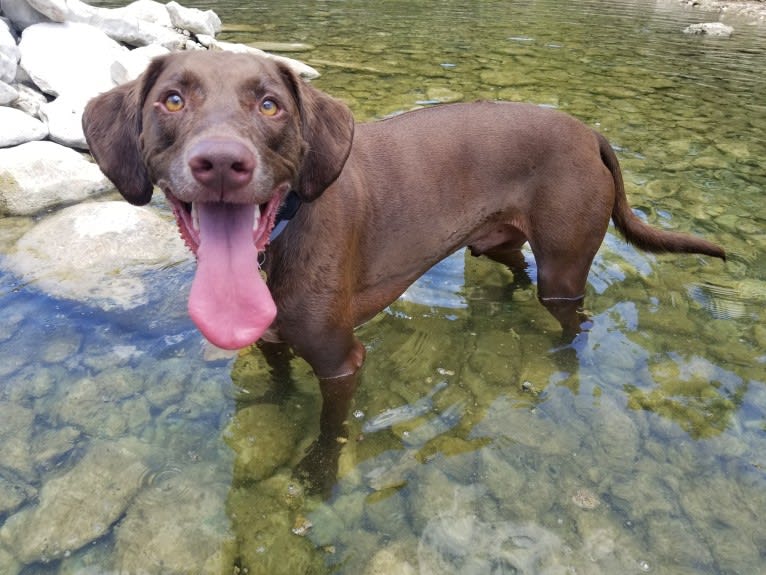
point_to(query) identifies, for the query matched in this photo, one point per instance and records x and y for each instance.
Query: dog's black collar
(286, 212)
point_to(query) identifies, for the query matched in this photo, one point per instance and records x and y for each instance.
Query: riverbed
(479, 442)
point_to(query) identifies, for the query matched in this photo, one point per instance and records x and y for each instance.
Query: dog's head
(135, 130)
(225, 136)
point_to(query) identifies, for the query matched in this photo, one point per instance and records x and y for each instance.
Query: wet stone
(50, 445)
(14, 493)
(107, 405)
(614, 432)
(266, 543)
(79, 506)
(15, 437)
(263, 438)
(32, 383)
(454, 544)
(177, 524)
(393, 560)
(8, 563)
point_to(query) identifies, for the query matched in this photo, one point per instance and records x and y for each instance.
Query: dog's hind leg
(561, 280)
(510, 255)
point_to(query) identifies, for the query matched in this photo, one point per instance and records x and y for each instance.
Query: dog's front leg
(319, 467)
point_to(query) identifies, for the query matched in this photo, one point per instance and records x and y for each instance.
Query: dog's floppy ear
(328, 130)
(112, 126)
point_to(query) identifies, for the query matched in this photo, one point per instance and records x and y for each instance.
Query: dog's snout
(222, 164)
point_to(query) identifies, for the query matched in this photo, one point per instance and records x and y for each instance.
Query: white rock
(205, 40)
(718, 29)
(21, 13)
(130, 65)
(122, 24)
(39, 175)
(296, 66)
(193, 20)
(137, 32)
(29, 100)
(79, 63)
(146, 11)
(63, 116)
(56, 10)
(18, 128)
(98, 252)
(7, 94)
(9, 54)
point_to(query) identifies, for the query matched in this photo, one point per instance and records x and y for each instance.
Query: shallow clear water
(479, 442)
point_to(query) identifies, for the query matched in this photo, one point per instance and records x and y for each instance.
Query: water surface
(480, 442)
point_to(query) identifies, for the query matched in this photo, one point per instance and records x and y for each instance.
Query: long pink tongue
(229, 301)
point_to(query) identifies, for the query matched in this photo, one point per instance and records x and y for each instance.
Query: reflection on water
(478, 441)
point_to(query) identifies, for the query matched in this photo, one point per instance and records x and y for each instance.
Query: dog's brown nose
(222, 165)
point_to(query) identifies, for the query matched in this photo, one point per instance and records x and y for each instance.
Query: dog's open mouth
(229, 301)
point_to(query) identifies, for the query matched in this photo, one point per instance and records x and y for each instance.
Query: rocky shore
(54, 56)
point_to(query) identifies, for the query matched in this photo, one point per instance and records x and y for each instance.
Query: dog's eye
(174, 102)
(268, 107)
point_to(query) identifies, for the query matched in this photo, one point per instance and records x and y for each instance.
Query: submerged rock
(13, 494)
(69, 254)
(391, 560)
(79, 506)
(15, 437)
(177, 525)
(465, 544)
(263, 438)
(717, 29)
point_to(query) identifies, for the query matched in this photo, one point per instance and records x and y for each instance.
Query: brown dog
(226, 136)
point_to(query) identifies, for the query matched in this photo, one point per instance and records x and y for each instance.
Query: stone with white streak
(18, 128)
(38, 175)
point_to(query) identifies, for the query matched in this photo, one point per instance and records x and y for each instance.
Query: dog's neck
(286, 212)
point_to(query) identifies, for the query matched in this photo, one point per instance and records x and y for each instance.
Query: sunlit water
(479, 442)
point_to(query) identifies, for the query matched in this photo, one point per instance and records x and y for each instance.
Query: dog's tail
(643, 235)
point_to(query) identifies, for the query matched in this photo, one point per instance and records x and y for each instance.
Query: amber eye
(174, 102)
(268, 107)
